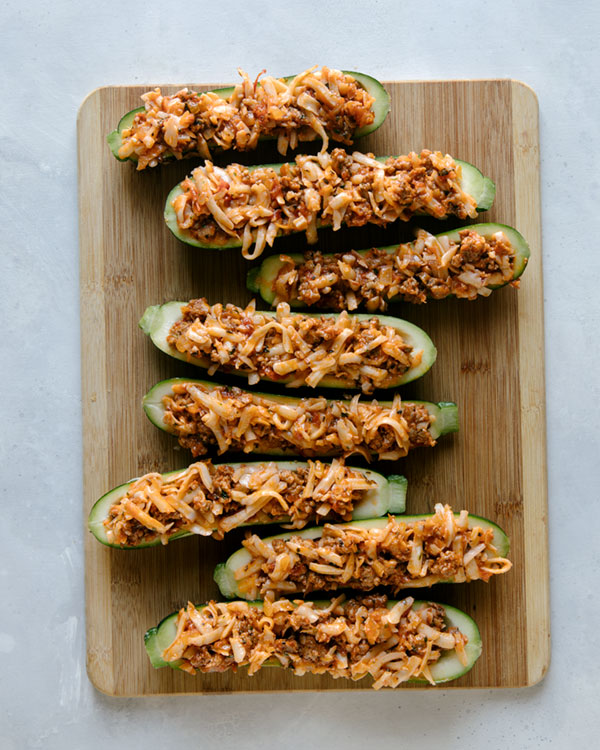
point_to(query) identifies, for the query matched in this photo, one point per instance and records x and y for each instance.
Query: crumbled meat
(402, 554)
(255, 206)
(322, 103)
(236, 420)
(391, 641)
(297, 349)
(206, 499)
(429, 268)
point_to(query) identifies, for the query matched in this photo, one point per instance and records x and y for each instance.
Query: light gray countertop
(53, 55)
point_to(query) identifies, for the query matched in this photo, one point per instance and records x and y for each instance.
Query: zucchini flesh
(445, 413)
(224, 574)
(380, 107)
(158, 320)
(448, 667)
(473, 182)
(389, 496)
(260, 279)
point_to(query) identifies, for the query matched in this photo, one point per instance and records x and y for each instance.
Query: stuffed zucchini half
(341, 351)
(326, 103)
(466, 263)
(391, 641)
(240, 206)
(397, 552)
(206, 416)
(211, 500)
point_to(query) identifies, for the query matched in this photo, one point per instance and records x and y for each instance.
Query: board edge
(532, 385)
(99, 668)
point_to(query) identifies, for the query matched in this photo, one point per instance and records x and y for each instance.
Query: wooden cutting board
(490, 361)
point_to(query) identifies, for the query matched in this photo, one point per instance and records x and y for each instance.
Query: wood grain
(490, 361)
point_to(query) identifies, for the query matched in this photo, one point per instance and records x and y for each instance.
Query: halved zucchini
(473, 182)
(158, 320)
(445, 414)
(389, 496)
(261, 278)
(224, 574)
(448, 667)
(381, 107)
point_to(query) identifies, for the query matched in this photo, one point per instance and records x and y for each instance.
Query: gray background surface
(54, 53)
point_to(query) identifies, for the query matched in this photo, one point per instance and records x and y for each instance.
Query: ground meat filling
(429, 268)
(322, 103)
(211, 500)
(400, 555)
(350, 639)
(299, 349)
(235, 420)
(333, 188)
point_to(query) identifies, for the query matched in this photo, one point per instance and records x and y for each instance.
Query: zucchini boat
(239, 206)
(397, 552)
(392, 641)
(215, 126)
(466, 262)
(204, 415)
(211, 500)
(340, 351)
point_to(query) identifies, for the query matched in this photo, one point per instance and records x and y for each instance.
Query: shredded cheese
(323, 103)
(402, 554)
(211, 500)
(349, 639)
(429, 268)
(239, 420)
(331, 189)
(298, 348)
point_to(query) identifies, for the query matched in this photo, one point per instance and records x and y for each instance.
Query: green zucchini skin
(260, 279)
(445, 412)
(388, 497)
(158, 319)
(381, 107)
(473, 182)
(224, 575)
(447, 668)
